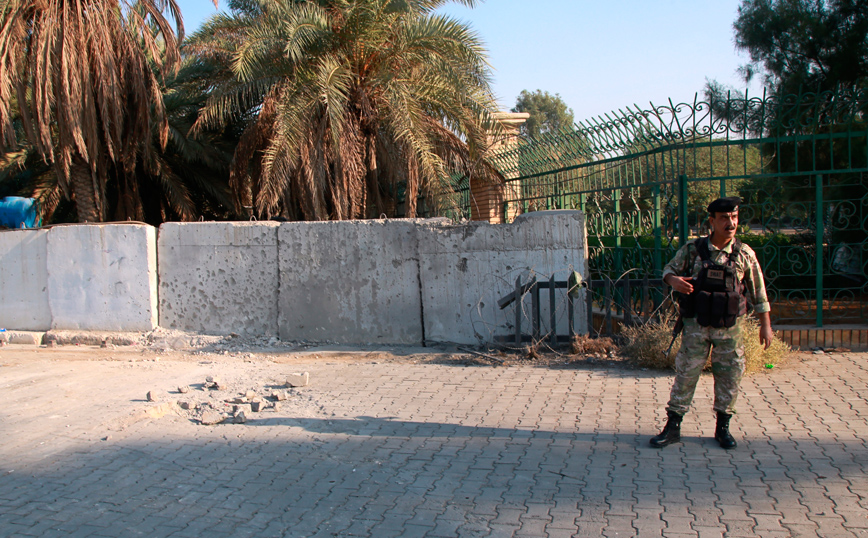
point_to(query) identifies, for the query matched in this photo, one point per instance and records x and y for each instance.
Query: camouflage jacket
(746, 266)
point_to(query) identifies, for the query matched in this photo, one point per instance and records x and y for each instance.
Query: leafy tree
(811, 44)
(346, 103)
(82, 76)
(548, 113)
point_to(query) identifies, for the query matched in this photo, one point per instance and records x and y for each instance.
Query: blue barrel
(18, 212)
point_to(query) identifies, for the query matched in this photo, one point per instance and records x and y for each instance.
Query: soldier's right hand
(681, 284)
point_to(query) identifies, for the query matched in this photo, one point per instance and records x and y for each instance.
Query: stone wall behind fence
(403, 281)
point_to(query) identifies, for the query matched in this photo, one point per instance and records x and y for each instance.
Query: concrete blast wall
(91, 277)
(24, 280)
(465, 270)
(372, 281)
(219, 277)
(392, 281)
(350, 281)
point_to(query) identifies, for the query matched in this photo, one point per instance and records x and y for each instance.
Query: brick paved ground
(395, 449)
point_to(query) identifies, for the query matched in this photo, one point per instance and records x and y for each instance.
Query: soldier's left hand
(766, 335)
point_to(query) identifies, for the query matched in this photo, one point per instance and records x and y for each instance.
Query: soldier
(713, 276)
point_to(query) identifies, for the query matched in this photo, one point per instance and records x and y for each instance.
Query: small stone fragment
(256, 406)
(278, 395)
(104, 343)
(211, 417)
(183, 404)
(184, 389)
(152, 396)
(250, 395)
(239, 418)
(276, 406)
(298, 379)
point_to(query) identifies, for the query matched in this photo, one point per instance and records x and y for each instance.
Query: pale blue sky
(598, 55)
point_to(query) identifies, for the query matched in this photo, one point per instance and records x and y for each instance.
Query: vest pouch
(704, 305)
(733, 308)
(687, 305)
(718, 309)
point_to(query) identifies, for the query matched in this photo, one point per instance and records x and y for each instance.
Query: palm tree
(187, 176)
(83, 77)
(347, 102)
(187, 180)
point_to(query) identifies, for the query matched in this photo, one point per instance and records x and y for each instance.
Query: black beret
(724, 205)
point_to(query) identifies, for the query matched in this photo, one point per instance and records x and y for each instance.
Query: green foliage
(548, 113)
(803, 43)
(346, 103)
(758, 241)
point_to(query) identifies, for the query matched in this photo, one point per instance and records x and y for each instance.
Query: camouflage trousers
(727, 365)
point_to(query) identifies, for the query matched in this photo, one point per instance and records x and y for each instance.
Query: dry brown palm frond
(83, 85)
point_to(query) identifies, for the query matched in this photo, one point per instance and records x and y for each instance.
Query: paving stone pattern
(444, 451)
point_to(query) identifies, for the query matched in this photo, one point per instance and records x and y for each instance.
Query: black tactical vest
(718, 295)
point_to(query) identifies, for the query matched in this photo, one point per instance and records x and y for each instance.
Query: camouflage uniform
(727, 348)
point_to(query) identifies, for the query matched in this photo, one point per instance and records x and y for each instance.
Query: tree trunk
(84, 193)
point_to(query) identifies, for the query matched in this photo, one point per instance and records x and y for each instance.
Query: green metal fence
(644, 176)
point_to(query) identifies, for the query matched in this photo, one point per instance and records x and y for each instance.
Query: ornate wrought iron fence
(644, 176)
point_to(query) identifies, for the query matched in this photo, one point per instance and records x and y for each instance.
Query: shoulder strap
(736, 247)
(702, 249)
(736, 250)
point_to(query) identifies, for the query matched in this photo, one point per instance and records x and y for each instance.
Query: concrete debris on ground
(202, 404)
(298, 380)
(210, 417)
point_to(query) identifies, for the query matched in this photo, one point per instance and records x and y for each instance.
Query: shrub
(757, 358)
(582, 345)
(646, 346)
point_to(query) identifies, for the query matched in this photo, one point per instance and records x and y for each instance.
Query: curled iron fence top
(634, 130)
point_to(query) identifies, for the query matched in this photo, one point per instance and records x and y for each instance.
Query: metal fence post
(616, 195)
(682, 211)
(658, 233)
(820, 231)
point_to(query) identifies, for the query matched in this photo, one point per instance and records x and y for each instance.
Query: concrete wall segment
(102, 277)
(219, 277)
(467, 268)
(350, 281)
(374, 281)
(24, 280)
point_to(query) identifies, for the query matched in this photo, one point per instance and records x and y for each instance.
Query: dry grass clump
(758, 358)
(582, 345)
(646, 346)
(532, 351)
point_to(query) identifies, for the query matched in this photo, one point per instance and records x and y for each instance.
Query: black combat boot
(721, 432)
(671, 432)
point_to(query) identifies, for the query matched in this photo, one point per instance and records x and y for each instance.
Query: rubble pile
(214, 401)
